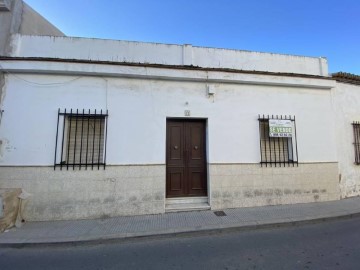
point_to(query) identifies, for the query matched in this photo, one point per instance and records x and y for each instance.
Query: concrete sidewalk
(121, 228)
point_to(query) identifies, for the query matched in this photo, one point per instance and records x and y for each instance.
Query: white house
(346, 100)
(95, 128)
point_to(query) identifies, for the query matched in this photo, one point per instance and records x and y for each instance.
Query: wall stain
(159, 196)
(146, 198)
(94, 201)
(248, 194)
(215, 194)
(109, 200)
(226, 194)
(269, 192)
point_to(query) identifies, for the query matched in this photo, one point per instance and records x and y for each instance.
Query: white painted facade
(142, 85)
(346, 98)
(138, 109)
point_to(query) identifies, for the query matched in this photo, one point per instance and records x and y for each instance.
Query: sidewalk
(121, 228)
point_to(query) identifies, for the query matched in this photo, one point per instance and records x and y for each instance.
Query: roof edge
(181, 67)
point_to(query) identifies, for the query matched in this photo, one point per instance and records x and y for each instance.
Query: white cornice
(91, 69)
(5, 5)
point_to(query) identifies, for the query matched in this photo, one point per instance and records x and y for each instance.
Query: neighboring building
(17, 17)
(346, 100)
(96, 128)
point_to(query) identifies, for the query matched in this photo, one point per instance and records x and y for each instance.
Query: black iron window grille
(278, 145)
(356, 129)
(81, 138)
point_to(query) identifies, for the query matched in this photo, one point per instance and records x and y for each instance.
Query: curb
(111, 239)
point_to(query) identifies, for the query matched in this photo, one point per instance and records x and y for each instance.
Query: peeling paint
(4, 147)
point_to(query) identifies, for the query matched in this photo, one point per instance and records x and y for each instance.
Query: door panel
(176, 147)
(175, 183)
(186, 158)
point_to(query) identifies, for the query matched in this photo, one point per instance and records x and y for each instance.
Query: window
(81, 139)
(278, 145)
(356, 129)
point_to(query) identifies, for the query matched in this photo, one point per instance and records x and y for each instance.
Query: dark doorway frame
(189, 169)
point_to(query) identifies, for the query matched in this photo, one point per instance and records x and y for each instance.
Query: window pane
(86, 140)
(275, 149)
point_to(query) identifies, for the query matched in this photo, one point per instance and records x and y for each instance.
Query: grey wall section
(10, 22)
(248, 185)
(140, 189)
(78, 194)
(24, 20)
(34, 24)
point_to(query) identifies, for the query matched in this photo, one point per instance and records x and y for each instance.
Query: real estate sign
(280, 128)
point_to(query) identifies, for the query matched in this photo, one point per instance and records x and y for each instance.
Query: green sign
(280, 128)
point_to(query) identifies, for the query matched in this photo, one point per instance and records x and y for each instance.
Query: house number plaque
(187, 112)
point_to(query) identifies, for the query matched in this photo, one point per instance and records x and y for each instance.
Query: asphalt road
(331, 245)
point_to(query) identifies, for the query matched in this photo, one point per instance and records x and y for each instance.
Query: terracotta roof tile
(346, 77)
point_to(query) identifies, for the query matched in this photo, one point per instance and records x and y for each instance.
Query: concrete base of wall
(74, 194)
(241, 185)
(140, 189)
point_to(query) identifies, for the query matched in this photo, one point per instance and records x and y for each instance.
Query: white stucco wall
(139, 100)
(346, 104)
(137, 117)
(166, 54)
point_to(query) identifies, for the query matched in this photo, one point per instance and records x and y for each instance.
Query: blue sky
(325, 28)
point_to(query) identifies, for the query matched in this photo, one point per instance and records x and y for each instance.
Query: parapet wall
(163, 54)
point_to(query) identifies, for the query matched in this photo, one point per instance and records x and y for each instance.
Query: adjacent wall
(346, 98)
(21, 18)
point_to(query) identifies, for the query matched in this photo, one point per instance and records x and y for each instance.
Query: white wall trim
(142, 72)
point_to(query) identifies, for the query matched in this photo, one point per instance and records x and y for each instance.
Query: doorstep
(186, 204)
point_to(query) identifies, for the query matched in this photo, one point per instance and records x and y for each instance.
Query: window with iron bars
(81, 139)
(356, 129)
(278, 146)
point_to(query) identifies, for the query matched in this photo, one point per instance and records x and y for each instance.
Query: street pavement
(326, 245)
(174, 224)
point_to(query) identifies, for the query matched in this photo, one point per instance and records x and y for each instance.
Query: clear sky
(328, 28)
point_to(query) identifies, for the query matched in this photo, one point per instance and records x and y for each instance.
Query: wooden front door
(186, 158)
